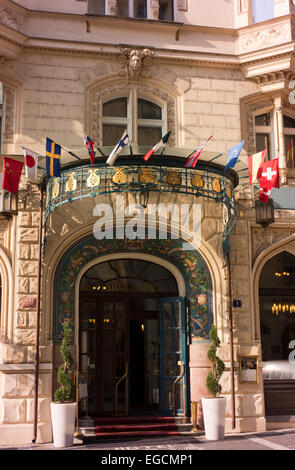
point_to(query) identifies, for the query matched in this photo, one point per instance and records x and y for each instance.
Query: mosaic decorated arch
(189, 262)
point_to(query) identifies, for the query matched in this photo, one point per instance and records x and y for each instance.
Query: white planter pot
(214, 417)
(63, 423)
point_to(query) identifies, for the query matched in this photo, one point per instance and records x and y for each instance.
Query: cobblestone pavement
(270, 440)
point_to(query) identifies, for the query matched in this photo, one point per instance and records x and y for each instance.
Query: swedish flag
(53, 152)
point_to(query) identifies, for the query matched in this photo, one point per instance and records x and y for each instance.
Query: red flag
(12, 170)
(89, 144)
(268, 174)
(264, 194)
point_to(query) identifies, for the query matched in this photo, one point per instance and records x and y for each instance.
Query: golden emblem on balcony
(55, 189)
(119, 177)
(228, 190)
(216, 185)
(146, 176)
(197, 181)
(93, 179)
(71, 184)
(173, 178)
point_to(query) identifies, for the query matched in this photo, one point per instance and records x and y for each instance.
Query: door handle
(178, 379)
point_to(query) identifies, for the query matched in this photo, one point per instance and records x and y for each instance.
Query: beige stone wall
(54, 90)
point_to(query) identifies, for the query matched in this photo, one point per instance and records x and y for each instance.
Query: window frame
(289, 131)
(270, 130)
(149, 11)
(2, 114)
(132, 121)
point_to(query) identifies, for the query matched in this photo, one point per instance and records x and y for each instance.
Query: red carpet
(134, 426)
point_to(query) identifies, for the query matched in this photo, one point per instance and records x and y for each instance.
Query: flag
(89, 144)
(269, 177)
(53, 152)
(192, 161)
(120, 145)
(31, 162)
(12, 170)
(264, 194)
(160, 144)
(233, 155)
(268, 174)
(254, 163)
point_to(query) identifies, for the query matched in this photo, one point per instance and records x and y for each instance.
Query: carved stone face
(135, 61)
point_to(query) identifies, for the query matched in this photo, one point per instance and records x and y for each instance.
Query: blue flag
(53, 152)
(233, 154)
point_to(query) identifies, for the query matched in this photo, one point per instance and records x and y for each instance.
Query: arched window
(143, 118)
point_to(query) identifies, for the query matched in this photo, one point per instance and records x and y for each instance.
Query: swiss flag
(254, 163)
(12, 170)
(268, 174)
(269, 178)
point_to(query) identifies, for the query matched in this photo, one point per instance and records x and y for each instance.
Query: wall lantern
(265, 213)
(8, 203)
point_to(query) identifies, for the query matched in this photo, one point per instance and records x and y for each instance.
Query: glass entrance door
(172, 356)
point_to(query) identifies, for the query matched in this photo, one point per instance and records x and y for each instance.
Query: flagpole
(37, 341)
(71, 153)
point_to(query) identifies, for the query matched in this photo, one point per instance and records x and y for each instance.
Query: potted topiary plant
(214, 405)
(63, 409)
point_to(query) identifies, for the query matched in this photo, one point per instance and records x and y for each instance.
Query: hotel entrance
(132, 340)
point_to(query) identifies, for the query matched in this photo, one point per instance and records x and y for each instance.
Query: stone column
(280, 144)
(111, 7)
(153, 12)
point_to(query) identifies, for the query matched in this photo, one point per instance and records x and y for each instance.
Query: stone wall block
(11, 353)
(44, 414)
(23, 251)
(252, 404)
(21, 320)
(23, 285)
(24, 219)
(27, 268)
(25, 336)
(13, 411)
(28, 235)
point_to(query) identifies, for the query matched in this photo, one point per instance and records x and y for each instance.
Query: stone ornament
(173, 178)
(147, 177)
(134, 63)
(55, 189)
(93, 179)
(197, 181)
(119, 177)
(71, 184)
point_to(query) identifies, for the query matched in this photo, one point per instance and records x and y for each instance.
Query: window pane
(148, 110)
(290, 150)
(122, 8)
(112, 134)
(262, 120)
(288, 121)
(115, 108)
(96, 7)
(149, 136)
(262, 10)
(166, 10)
(140, 9)
(263, 142)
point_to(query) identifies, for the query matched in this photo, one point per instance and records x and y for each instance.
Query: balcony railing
(85, 181)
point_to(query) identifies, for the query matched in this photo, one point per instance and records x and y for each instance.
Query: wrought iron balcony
(207, 181)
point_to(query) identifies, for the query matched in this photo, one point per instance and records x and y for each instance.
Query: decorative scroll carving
(135, 63)
(11, 18)
(271, 35)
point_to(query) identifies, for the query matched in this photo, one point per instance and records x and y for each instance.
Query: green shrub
(213, 378)
(66, 392)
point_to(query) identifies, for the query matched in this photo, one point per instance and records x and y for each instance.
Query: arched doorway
(277, 327)
(132, 346)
